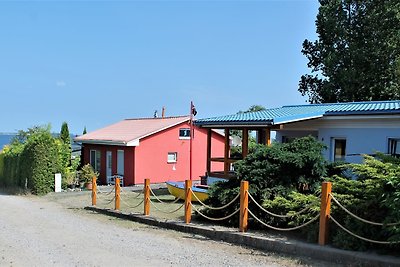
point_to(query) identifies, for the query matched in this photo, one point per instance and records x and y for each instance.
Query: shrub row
(287, 177)
(32, 163)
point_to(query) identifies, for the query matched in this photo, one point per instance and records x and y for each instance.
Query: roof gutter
(109, 142)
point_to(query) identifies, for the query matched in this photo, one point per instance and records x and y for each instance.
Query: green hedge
(11, 171)
(1, 166)
(33, 163)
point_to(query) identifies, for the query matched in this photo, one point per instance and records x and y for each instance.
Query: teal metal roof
(294, 113)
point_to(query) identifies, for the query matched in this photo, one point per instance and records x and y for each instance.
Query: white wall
(363, 134)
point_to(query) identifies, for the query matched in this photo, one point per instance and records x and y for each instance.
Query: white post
(57, 182)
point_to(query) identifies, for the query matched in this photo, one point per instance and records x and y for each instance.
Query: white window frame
(184, 137)
(333, 152)
(96, 162)
(174, 156)
(121, 162)
(397, 146)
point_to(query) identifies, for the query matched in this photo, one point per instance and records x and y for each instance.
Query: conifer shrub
(275, 173)
(374, 196)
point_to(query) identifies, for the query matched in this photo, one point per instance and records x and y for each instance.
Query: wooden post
(117, 194)
(268, 136)
(324, 213)
(146, 197)
(94, 191)
(245, 142)
(226, 153)
(244, 206)
(208, 167)
(188, 201)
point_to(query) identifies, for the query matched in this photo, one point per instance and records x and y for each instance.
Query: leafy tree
(237, 150)
(357, 54)
(253, 108)
(84, 130)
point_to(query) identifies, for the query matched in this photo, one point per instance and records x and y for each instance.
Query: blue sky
(94, 63)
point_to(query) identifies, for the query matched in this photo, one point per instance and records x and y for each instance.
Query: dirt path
(37, 232)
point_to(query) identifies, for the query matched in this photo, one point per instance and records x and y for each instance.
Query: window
(184, 133)
(95, 160)
(120, 162)
(172, 157)
(339, 152)
(287, 139)
(394, 146)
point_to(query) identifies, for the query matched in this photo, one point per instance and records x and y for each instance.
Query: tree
(253, 108)
(84, 130)
(64, 134)
(65, 147)
(357, 55)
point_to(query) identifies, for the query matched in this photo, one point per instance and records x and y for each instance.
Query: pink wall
(149, 159)
(128, 161)
(151, 155)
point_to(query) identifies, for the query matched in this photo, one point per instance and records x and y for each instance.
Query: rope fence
(362, 238)
(359, 218)
(277, 215)
(159, 200)
(166, 211)
(283, 229)
(150, 198)
(215, 219)
(215, 208)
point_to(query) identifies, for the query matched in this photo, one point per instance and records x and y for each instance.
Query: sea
(5, 139)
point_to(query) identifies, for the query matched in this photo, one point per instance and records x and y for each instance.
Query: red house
(154, 148)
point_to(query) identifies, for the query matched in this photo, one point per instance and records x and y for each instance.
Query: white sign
(57, 182)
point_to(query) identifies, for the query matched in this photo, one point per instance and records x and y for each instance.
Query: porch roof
(293, 113)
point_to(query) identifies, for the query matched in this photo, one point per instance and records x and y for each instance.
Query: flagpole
(190, 141)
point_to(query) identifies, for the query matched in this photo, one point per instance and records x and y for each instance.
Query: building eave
(109, 142)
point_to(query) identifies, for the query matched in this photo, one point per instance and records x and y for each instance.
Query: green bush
(273, 171)
(374, 196)
(1, 166)
(87, 173)
(31, 161)
(11, 173)
(39, 162)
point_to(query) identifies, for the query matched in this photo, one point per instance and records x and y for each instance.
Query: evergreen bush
(272, 171)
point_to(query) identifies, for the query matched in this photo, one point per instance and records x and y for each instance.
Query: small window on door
(339, 149)
(172, 157)
(95, 160)
(394, 147)
(184, 133)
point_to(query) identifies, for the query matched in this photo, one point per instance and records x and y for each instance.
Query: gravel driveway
(38, 232)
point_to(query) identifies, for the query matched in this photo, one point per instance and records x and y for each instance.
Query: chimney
(163, 112)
